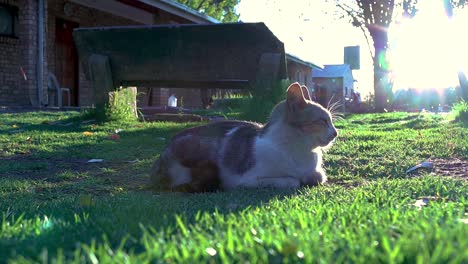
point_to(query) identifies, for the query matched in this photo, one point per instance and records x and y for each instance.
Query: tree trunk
(382, 87)
(380, 98)
(463, 85)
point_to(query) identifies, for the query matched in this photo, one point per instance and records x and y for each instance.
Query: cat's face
(313, 120)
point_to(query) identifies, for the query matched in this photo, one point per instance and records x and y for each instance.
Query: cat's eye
(323, 121)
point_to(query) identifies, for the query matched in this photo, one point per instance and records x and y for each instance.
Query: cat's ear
(295, 97)
(305, 92)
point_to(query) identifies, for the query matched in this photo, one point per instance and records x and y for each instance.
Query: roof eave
(181, 10)
(309, 64)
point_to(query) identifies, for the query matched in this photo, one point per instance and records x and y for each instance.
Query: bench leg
(101, 79)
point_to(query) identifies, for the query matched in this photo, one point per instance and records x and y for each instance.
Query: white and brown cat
(284, 153)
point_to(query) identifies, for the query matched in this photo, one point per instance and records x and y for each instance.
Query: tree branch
(356, 16)
(369, 47)
(200, 5)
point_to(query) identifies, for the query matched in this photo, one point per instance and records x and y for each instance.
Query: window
(8, 20)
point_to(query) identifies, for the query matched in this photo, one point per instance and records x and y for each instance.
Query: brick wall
(190, 98)
(152, 97)
(20, 52)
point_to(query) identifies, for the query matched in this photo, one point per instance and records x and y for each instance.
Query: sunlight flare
(427, 51)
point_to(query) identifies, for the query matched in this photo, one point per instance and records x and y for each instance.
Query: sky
(312, 30)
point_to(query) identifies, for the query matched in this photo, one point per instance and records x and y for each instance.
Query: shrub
(265, 95)
(460, 111)
(121, 107)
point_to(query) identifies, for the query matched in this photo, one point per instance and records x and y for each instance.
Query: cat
(224, 155)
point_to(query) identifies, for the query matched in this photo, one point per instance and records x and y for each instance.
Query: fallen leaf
(426, 165)
(16, 131)
(211, 251)
(431, 198)
(46, 122)
(421, 202)
(88, 121)
(85, 200)
(88, 133)
(114, 136)
(95, 160)
(66, 124)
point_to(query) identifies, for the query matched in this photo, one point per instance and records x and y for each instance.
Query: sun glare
(427, 51)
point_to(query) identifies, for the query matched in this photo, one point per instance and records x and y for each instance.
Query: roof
(331, 71)
(142, 10)
(298, 60)
(176, 7)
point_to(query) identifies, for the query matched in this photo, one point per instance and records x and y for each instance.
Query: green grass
(55, 207)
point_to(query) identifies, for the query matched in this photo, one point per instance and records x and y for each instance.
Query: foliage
(57, 208)
(121, 107)
(460, 111)
(265, 95)
(231, 102)
(429, 99)
(223, 10)
(463, 85)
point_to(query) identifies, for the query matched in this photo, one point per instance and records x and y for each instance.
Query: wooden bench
(221, 56)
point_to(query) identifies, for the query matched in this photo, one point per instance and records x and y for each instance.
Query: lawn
(56, 207)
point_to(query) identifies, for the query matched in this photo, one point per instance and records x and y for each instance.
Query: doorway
(66, 59)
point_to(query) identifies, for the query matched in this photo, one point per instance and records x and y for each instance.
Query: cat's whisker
(329, 101)
(334, 111)
(335, 114)
(334, 106)
(338, 118)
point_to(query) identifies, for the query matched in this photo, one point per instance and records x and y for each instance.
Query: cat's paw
(316, 178)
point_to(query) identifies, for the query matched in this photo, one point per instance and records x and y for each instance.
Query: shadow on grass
(68, 201)
(66, 221)
(387, 120)
(422, 123)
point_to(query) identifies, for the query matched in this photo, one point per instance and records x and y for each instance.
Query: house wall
(84, 17)
(188, 98)
(329, 90)
(299, 73)
(20, 52)
(348, 83)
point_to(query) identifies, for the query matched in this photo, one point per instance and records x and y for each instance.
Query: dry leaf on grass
(95, 160)
(113, 136)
